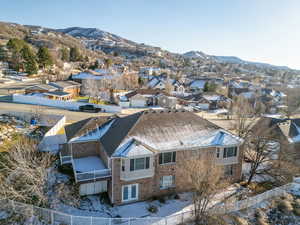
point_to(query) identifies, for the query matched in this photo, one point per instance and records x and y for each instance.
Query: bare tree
(243, 116)
(168, 86)
(204, 177)
(23, 174)
(268, 157)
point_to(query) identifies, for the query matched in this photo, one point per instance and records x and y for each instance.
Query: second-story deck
(89, 168)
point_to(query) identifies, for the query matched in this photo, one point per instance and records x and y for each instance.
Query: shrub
(66, 169)
(104, 198)
(215, 220)
(260, 214)
(240, 221)
(152, 209)
(176, 196)
(296, 211)
(261, 221)
(285, 206)
(297, 203)
(288, 197)
(161, 199)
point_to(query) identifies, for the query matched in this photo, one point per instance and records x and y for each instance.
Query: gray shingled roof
(83, 126)
(152, 126)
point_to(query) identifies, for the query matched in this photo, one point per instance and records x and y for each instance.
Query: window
(167, 182)
(130, 192)
(228, 170)
(230, 152)
(139, 163)
(218, 153)
(167, 157)
(123, 164)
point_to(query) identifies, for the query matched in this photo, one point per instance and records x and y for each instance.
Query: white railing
(93, 175)
(55, 217)
(65, 159)
(243, 204)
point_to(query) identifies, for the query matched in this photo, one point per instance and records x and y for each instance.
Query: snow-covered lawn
(92, 205)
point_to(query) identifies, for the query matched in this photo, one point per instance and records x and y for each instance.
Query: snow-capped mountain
(95, 34)
(230, 59)
(196, 54)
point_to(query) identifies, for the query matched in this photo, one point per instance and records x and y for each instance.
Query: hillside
(96, 43)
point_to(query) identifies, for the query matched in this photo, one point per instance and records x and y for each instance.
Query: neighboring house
(236, 88)
(285, 132)
(160, 82)
(68, 86)
(40, 88)
(165, 101)
(205, 101)
(137, 157)
(58, 95)
(197, 85)
(141, 98)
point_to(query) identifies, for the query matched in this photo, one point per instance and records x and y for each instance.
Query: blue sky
(257, 30)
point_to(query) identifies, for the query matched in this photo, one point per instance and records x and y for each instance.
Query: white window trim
(135, 158)
(230, 146)
(163, 158)
(167, 187)
(129, 191)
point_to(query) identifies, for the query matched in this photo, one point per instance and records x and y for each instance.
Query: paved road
(71, 116)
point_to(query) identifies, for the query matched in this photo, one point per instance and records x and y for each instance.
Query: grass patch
(258, 188)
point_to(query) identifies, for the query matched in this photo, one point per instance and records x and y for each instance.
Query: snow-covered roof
(295, 138)
(153, 82)
(87, 75)
(95, 133)
(198, 84)
(132, 148)
(87, 164)
(212, 97)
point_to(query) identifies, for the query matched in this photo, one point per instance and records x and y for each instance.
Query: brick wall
(149, 187)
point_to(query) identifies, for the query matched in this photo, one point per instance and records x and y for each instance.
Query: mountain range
(96, 39)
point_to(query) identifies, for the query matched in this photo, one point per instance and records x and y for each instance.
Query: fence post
(129, 221)
(166, 221)
(52, 217)
(182, 215)
(109, 221)
(91, 220)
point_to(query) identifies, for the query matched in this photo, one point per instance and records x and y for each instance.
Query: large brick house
(137, 157)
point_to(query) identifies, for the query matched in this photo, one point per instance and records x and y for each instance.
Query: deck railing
(92, 175)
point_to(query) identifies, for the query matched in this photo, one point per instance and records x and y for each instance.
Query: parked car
(89, 108)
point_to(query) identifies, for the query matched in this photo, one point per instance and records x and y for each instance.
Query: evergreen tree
(15, 44)
(44, 57)
(3, 54)
(210, 87)
(108, 62)
(65, 55)
(29, 58)
(75, 54)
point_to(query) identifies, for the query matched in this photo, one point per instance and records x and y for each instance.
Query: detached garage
(138, 101)
(93, 188)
